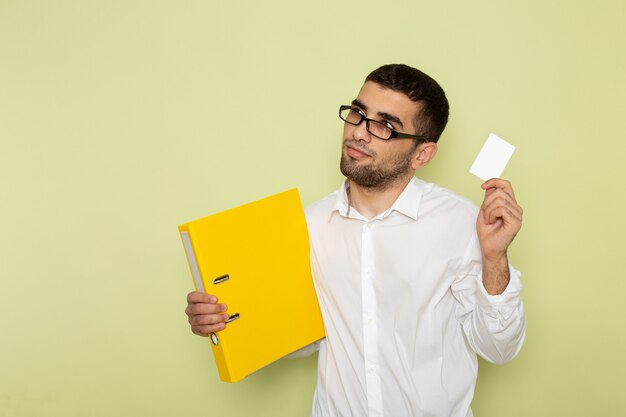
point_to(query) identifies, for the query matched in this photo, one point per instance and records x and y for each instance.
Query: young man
(413, 280)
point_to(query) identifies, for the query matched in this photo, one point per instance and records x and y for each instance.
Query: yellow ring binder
(264, 246)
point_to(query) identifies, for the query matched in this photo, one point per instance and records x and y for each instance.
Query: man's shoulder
(438, 198)
(322, 207)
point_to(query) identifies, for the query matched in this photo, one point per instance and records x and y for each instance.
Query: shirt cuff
(501, 305)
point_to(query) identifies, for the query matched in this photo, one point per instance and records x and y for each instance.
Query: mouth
(356, 153)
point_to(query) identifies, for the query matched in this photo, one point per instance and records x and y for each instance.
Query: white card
(492, 158)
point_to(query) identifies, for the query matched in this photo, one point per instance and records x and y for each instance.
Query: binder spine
(191, 259)
(221, 358)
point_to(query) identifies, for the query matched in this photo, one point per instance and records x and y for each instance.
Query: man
(413, 281)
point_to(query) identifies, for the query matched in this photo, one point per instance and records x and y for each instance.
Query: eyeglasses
(381, 130)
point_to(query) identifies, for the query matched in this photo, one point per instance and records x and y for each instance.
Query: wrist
(495, 273)
(495, 258)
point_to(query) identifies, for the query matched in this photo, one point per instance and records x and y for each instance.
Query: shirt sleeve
(494, 325)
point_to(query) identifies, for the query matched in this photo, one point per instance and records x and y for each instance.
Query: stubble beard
(377, 176)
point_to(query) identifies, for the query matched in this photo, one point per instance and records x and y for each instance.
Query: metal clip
(232, 318)
(221, 279)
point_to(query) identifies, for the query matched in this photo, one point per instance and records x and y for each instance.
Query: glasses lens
(379, 129)
(351, 116)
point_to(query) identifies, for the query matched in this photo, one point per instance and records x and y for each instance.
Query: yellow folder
(255, 258)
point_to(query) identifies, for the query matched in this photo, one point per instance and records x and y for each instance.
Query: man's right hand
(205, 314)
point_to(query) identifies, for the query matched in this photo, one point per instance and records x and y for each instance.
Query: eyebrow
(383, 115)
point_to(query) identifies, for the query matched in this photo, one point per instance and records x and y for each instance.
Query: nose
(360, 132)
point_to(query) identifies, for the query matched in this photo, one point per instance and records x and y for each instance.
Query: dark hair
(420, 88)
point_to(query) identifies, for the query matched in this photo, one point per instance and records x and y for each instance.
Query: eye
(358, 111)
(389, 125)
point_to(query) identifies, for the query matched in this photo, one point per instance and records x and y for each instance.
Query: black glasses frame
(394, 133)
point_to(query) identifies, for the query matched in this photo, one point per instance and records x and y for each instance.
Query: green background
(120, 120)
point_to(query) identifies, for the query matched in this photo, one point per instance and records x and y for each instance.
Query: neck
(370, 201)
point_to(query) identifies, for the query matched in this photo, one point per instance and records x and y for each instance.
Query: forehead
(378, 99)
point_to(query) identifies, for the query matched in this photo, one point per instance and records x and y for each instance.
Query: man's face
(372, 162)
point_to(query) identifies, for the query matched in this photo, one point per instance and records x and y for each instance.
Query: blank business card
(492, 158)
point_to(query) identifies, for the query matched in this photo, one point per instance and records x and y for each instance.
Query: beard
(380, 174)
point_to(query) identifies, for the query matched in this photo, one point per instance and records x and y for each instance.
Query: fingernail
(223, 307)
(213, 299)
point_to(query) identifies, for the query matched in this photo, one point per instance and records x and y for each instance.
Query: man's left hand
(499, 219)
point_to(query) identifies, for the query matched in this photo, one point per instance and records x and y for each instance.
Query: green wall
(120, 120)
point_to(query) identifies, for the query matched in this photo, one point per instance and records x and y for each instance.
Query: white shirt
(404, 308)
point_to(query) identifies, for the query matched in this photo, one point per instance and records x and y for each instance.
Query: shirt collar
(341, 200)
(407, 203)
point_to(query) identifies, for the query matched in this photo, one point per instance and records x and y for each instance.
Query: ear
(423, 154)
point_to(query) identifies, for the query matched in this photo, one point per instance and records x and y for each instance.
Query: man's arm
(488, 288)
(499, 220)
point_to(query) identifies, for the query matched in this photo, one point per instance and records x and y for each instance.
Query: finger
(500, 198)
(508, 216)
(206, 319)
(499, 183)
(490, 210)
(204, 308)
(205, 330)
(493, 193)
(499, 188)
(200, 297)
